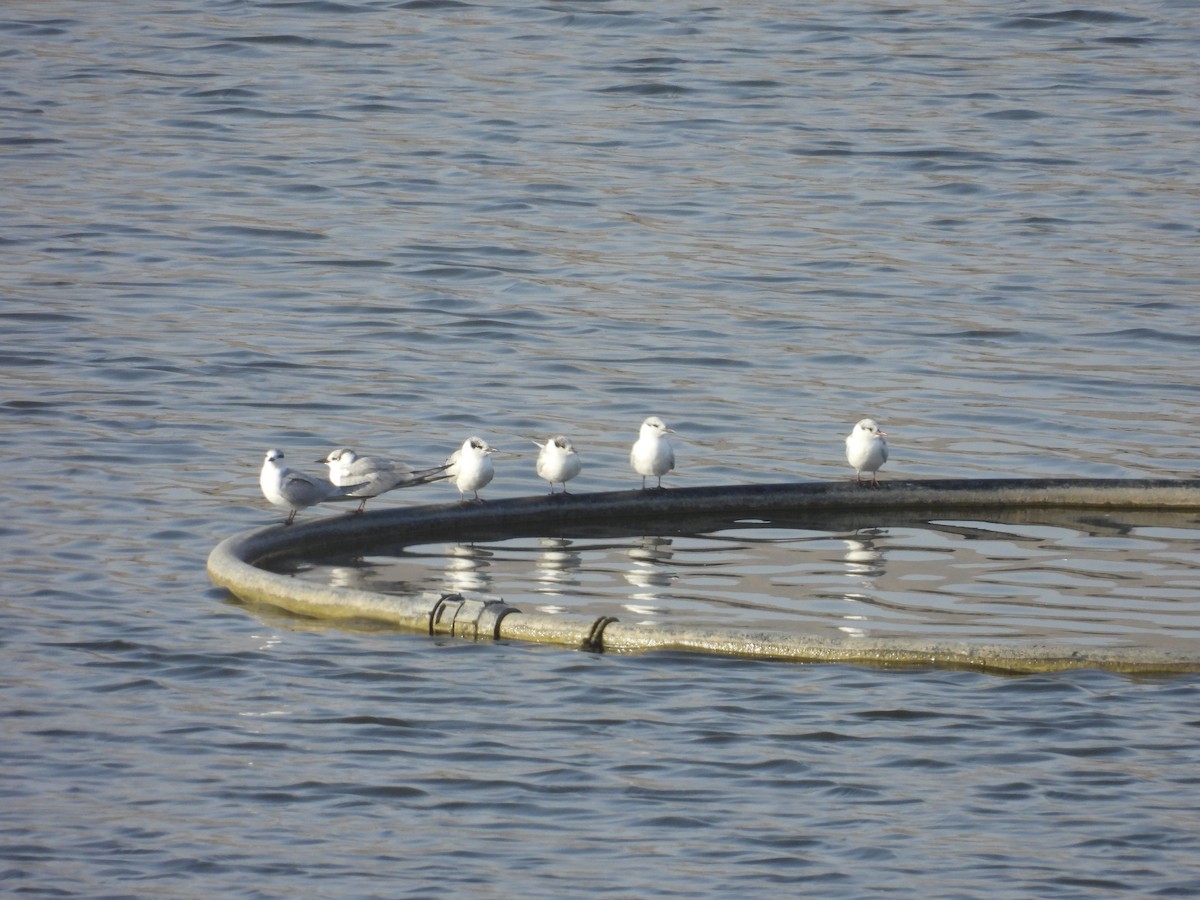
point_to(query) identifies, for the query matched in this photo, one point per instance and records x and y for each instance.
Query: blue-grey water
(228, 226)
(1084, 579)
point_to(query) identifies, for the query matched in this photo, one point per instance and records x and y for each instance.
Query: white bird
(376, 473)
(558, 462)
(470, 466)
(652, 453)
(866, 449)
(294, 490)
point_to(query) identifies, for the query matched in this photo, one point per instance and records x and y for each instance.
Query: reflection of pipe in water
(649, 572)
(465, 565)
(864, 562)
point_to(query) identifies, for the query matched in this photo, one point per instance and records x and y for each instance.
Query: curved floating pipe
(233, 564)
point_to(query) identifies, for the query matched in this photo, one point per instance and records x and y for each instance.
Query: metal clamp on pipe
(594, 642)
(466, 617)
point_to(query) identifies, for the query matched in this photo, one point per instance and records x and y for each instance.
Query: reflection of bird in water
(649, 573)
(862, 556)
(652, 548)
(556, 563)
(350, 576)
(466, 567)
(864, 562)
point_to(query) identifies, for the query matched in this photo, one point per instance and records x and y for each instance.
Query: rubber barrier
(236, 562)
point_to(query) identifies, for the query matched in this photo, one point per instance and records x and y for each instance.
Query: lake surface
(1067, 579)
(229, 226)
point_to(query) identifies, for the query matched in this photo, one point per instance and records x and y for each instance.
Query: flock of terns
(470, 468)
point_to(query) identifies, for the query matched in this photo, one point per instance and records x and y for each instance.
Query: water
(229, 226)
(1069, 579)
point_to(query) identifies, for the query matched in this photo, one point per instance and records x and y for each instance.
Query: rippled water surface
(1087, 578)
(229, 226)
